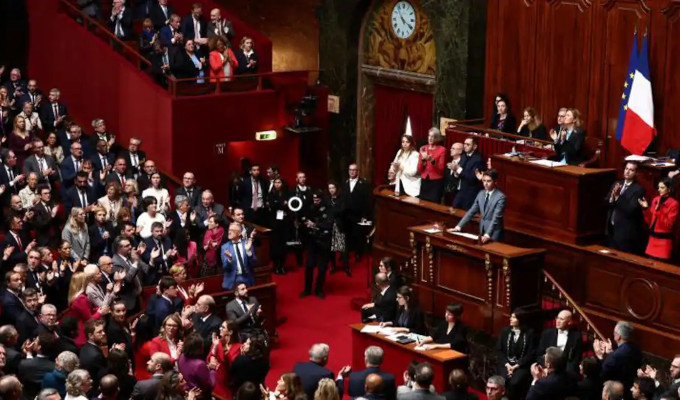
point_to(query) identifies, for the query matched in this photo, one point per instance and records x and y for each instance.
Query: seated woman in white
(405, 167)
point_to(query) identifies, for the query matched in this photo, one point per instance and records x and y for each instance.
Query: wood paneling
(574, 53)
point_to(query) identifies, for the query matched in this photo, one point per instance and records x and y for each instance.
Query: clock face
(403, 19)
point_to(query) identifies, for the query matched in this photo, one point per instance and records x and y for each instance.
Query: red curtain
(392, 107)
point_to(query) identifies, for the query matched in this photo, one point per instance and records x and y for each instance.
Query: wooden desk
(564, 203)
(489, 280)
(397, 356)
(489, 145)
(609, 286)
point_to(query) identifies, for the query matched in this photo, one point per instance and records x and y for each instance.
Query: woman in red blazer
(222, 60)
(431, 164)
(81, 307)
(168, 341)
(224, 351)
(661, 218)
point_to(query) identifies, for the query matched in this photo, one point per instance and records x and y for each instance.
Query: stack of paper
(548, 163)
(371, 329)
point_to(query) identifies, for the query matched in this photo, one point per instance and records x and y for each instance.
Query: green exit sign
(265, 135)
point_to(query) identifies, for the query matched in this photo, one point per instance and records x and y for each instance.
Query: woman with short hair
(431, 164)
(78, 384)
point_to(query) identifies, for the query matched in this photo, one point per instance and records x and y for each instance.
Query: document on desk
(371, 329)
(432, 230)
(548, 163)
(463, 234)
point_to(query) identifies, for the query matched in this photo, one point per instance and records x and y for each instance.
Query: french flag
(638, 125)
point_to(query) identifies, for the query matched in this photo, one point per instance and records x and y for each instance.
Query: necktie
(18, 239)
(83, 198)
(133, 156)
(623, 188)
(241, 265)
(256, 191)
(165, 11)
(76, 163)
(10, 173)
(189, 194)
(486, 202)
(119, 28)
(41, 164)
(48, 208)
(56, 110)
(245, 309)
(104, 163)
(197, 29)
(122, 180)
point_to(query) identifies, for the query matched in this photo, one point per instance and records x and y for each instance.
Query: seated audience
(661, 218)
(410, 317)
(451, 333)
(531, 125)
(373, 358)
(385, 307)
(569, 140)
(495, 388)
(431, 164)
(313, 371)
(505, 120)
(516, 352)
(247, 57)
(405, 167)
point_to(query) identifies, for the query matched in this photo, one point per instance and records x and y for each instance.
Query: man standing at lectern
(490, 204)
(625, 219)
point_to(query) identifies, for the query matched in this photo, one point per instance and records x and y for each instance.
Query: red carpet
(312, 320)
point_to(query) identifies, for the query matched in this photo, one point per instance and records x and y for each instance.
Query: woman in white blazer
(405, 166)
(111, 202)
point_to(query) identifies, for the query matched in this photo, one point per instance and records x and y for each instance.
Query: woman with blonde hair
(405, 167)
(569, 140)
(288, 387)
(189, 295)
(80, 306)
(20, 140)
(75, 232)
(326, 390)
(246, 56)
(531, 125)
(112, 201)
(78, 384)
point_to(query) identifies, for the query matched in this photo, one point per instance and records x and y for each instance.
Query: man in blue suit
(80, 195)
(468, 186)
(620, 364)
(72, 164)
(170, 34)
(312, 371)
(490, 203)
(9, 299)
(238, 259)
(373, 357)
(165, 304)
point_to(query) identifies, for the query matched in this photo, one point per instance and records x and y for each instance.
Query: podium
(490, 280)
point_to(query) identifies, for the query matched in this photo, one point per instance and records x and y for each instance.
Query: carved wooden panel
(417, 53)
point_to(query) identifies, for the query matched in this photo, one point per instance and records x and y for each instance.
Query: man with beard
(27, 320)
(158, 365)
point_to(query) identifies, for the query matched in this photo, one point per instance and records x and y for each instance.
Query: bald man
(565, 337)
(147, 389)
(373, 387)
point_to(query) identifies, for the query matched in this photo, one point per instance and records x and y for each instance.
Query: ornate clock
(403, 19)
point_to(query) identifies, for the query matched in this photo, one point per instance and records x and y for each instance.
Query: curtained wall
(392, 106)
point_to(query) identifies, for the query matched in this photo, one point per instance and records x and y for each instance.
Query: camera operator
(319, 226)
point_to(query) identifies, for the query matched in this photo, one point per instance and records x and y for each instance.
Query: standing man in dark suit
(126, 259)
(490, 204)
(120, 21)
(245, 311)
(165, 304)
(206, 209)
(159, 254)
(17, 238)
(31, 95)
(470, 164)
(385, 309)
(190, 190)
(423, 381)
(53, 113)
(194, 28)
(32, 370)
(100, 133)
(373, 358)
(43, 166)
(10, 299)
(72, 164)
(10, 176)
(357, 200)
(254, 200)
(160, 14)
(219, 27)
(312, 371)
(45, 218)
(134, 157)
(80, 195)
(566, 338)
(620, 364)
(92, 358)
(102, 159)
(27, 321)
(147, 169)
(206, 322)
(171, 35)
(625, 218)
(158, 365)
(119, 173)
(552, 381)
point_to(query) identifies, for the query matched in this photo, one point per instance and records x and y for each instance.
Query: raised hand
(7, 252)
(228, 254)
(643, 202)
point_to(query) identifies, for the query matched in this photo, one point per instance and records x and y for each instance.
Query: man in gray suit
(128, 260)
(147, 389)
(490, 203)
(44, 166)
(246, 311)
(421, 387)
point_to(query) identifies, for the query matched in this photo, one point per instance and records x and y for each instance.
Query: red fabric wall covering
(95, 82)
(284, 152)
(263, 45)
(392, 106)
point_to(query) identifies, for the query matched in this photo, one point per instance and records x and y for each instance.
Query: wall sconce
(265, 135)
